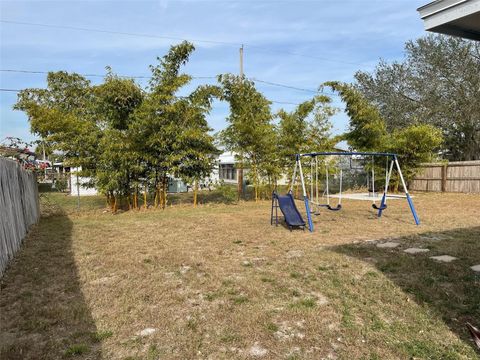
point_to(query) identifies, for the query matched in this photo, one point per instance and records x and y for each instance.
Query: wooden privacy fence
(458, 176)
(19, 207)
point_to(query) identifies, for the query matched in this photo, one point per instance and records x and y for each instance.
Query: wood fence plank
(458, 176)
(19, 208)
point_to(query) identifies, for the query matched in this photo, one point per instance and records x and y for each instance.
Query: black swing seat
(382, 207)
(336, 208)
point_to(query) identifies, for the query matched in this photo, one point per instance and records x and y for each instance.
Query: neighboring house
(22, 155)
(77, 184)
(226, 170)
(452, 17)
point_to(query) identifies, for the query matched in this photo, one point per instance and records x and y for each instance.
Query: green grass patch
(77, 349)
(306, 303)
(272, 327)
(241, 299)
(101, 335)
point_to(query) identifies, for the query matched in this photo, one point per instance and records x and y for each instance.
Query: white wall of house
(227, 172)
(80, 190)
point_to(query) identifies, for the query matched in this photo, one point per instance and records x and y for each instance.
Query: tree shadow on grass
(451, 291)
(43, 313)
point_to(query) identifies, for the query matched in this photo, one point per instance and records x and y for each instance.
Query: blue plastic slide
(290, 211)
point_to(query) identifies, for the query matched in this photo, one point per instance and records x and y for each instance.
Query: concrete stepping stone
(388, 245)
(146, 332)
(258, 351)
(444, 258)
(475, 268)
(294, 254)
(415, 250)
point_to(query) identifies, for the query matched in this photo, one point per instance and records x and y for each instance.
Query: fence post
(444, 177)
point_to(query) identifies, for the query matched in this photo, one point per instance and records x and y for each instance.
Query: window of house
(227, 172)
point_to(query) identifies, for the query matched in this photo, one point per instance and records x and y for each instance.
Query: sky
(296, 43)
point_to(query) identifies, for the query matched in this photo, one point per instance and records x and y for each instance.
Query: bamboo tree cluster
(127, 140)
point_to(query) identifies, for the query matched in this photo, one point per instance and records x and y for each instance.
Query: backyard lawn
(218, 282)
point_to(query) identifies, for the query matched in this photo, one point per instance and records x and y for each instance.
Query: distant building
(22, 155)
(226, 170)
(78, 184)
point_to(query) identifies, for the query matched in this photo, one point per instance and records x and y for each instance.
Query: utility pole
(240, 167)
(241, 62)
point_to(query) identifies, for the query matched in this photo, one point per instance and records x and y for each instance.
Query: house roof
(452, 17)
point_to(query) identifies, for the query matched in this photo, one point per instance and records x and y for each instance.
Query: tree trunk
(255, 177)
(240, 179)
(195, 193)
(135, 198)
(165, 188)
(145, 204)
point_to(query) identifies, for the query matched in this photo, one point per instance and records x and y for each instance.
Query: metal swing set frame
(393, 158)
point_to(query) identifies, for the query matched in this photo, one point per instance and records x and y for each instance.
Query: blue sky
(298, 43)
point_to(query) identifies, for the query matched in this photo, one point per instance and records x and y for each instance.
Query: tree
(414, 144)
(438, 83)
(250, 131)
(62, 115)
(305, 129)
(195, 151)
(170, 132)
(118, 166)
(367, 130)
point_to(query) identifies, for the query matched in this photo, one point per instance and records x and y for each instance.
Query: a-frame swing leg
(384, 197)
(409, 199)
(305, 197)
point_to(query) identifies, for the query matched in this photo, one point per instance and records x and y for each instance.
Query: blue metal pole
(309, 216)
(305, 197)
(382, 204)
(409, 199)
(412, 209)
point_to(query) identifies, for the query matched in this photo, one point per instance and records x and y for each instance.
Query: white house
(226, 170)
(77, 182)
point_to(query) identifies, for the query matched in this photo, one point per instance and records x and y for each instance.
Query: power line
(284, 86)
(262, 48)
(284, 102)
(194, 77)
(118, 32)
(178, 97)
(293, 87)
(96, 75)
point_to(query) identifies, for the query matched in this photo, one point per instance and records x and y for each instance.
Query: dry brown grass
(219, 282)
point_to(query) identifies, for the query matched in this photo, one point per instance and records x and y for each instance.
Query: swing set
(312, 201)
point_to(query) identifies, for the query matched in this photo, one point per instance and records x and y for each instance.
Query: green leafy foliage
(124, 138)
(367, 127)
(250, 133)
(438, 83)
(414, 144)
(305, 129)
